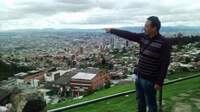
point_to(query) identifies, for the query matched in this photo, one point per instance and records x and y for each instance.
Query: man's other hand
(157, 87)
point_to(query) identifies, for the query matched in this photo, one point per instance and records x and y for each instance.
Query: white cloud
(95, 13)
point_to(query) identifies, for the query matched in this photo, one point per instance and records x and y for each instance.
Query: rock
(184, 95)
(28, 102)
(182, 107)
(176, 98)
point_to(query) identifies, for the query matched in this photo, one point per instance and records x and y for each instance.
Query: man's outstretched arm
(125, 34)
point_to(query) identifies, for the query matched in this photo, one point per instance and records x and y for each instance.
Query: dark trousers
(145, 95)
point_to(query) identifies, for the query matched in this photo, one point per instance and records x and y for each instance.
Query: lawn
(127, 103)
(181, 74)
(101, 93)
(122, 102)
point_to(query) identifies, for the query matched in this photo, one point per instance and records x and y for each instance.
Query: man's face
(148, 28)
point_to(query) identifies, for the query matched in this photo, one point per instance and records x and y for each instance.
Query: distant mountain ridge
(134, 29)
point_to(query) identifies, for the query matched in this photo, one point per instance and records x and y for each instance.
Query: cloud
(45, 8)
(58, 6)
(55, 13)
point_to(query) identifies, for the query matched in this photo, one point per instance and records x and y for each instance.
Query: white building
(52, 76)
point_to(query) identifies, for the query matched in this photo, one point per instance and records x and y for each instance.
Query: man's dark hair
(155, 22)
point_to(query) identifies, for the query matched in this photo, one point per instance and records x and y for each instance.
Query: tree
(187, 60)
(107, 84)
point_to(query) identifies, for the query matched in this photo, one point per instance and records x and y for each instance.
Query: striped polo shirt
(154, 55)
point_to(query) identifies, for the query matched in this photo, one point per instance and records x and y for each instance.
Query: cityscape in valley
(60, 65)
(73, 56)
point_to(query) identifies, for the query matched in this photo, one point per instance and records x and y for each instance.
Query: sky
(38, 14)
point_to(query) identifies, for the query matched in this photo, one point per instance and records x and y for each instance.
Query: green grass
(97, 94)
(119, 104)
(191, 87)
(171, 103)
(127, 103)
(180, 74)
(121, 101)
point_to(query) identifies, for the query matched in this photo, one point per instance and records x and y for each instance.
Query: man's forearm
(127, 35)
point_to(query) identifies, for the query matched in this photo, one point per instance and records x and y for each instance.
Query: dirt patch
(177, 98)
(184, 95)
(195, 100)
(182, 107)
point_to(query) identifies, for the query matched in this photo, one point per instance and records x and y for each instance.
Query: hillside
(117, 89)
(179, 97)
(8, 69)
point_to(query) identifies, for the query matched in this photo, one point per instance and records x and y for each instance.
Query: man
(153, 62)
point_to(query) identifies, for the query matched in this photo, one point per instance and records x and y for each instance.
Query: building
(37, 75)
(62, 85)
(52, 76)
(116, 75)
(58, 81)
(84, 83)
(9, 84)
(29, 79)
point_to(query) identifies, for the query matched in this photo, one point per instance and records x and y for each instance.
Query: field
(179, 97)
(169, 91)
